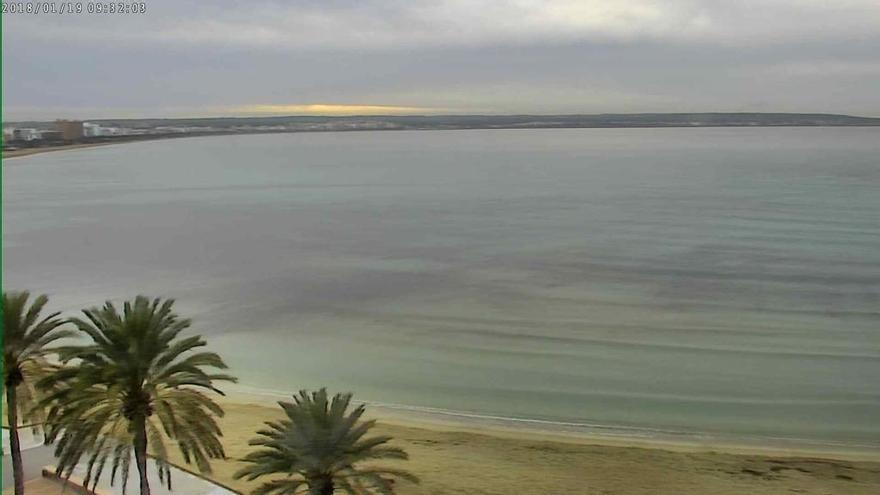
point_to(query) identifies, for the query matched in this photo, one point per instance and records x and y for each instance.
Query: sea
(690, 282)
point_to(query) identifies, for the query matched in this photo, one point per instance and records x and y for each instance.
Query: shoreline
(439, 420)
(456, 459)
(24, 152)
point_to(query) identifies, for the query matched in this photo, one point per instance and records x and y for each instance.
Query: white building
(91, 130)
(96, 130)
(26, 134)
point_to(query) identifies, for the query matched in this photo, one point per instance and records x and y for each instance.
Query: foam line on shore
(584, 430)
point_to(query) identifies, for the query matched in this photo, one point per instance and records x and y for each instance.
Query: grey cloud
(567, 56)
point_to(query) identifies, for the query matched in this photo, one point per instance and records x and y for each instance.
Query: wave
(588, 429)
(656, 345)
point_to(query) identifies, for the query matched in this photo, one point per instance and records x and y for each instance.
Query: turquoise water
(699, 281)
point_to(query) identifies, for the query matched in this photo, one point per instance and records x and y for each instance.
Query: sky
(341, 57)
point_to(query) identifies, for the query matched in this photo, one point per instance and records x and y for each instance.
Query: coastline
(21, 153)
(463, 452)
(582, 433)
(454, 458)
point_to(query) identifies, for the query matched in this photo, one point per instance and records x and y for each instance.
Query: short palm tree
(134, 386)
(319, 449)
(25, 360)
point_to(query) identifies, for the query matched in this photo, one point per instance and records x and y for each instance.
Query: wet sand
(503, 462)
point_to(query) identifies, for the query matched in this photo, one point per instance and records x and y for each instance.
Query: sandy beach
(49, 149)
(504, 462)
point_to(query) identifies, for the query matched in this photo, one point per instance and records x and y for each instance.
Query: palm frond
(136, 377)
(321, 441)
(27, 339)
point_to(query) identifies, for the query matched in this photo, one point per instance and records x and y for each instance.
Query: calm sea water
(720, 281)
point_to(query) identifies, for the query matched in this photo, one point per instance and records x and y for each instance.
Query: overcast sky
(255, 57)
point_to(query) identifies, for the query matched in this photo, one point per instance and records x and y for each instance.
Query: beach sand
(504, 462)
(49, 149)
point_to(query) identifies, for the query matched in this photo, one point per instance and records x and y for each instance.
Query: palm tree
(134, 386)
(25, 360)
(318, 449)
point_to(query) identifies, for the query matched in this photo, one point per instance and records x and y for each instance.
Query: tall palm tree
(134, 386)
(25, 360)
(319, 449)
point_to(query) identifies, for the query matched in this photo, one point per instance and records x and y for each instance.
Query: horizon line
(442, 115)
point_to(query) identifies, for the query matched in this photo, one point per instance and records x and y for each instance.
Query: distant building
(70, 130)
(8, 137)
(53, 136)
(97, 130)
(25, 134)
(92, 130)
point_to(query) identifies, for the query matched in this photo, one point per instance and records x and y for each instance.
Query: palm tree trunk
(321, 486)
(140, 453)
(14, 442)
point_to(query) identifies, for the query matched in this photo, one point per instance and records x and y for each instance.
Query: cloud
(399, 24)
(824, 69)
(192, 57)
(544, 98)
(328, 109)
